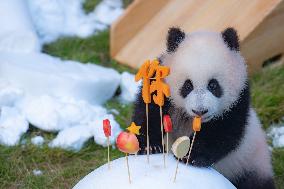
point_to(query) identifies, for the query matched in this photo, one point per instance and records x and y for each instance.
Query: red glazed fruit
(127, 143)
(167, 123)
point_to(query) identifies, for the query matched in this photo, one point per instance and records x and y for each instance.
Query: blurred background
(67, 64)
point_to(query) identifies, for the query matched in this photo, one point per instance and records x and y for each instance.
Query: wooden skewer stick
(129, 178)
(176, 170)
(108, 156)
(167, 144)
(148, 145)
(162, 131)
(190, 148)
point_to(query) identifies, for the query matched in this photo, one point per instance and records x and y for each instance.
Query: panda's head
(207, 71)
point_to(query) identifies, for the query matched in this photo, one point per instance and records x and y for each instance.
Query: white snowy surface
(51, 94)
(277, 135)
(152, 176)
(57, 96)
(40, 74)
(129, 87)
(37, 140)
(26, 25)
(55, 18)
(12, 126)
(73, 138)
(37, 172)
(17, 33)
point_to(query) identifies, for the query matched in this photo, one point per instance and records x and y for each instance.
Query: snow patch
(129, 87)
(47, 15)
(17, 33)
(152, 176)
(12, 126)
(51, 94)
(277, 134)
(37, 172)
(57, 96)
(9, 95)
(40, 74)
(73, 138)
(37, 140)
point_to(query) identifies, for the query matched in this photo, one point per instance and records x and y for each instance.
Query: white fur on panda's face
(203, 58)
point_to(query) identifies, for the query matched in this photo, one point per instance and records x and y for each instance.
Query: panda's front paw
(154, 149)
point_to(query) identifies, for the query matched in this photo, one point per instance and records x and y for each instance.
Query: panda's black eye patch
(215, 88)
(186, 88)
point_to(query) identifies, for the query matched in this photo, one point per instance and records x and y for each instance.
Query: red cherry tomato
(167, 123)
(107, 127)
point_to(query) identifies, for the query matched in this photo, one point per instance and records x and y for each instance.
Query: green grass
(63, 169)
(94, 49)
(89, 5)
(268, 94)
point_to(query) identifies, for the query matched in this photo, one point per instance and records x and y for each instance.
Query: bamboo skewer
(148, 143)
(196, 126)
(108, 154)
(167, 144)
(162, 132)
(129, 178)
(175, 177)
(190, 148)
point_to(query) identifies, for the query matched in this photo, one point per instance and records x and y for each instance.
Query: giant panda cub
(209, 79)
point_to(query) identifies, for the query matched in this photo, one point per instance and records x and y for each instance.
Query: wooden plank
(266, 41)
(139, 13)
(149, 41)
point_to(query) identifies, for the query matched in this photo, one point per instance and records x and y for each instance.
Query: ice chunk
(129, 87)
(37, 140)
(277, 134)
(17, 33)
(12, 126)
(152, 176)
(40, 74)
(37, 172)
(73, 138)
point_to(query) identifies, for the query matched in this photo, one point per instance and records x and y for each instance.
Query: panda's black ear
(175, 37)
(230, 36)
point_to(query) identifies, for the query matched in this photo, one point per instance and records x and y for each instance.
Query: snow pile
(12, 125)
(129, 87)
(17, 33)
(37, 140)
(54, 18)
(56, 96)
(152, 176)
(277, 135)
(51, 94)
(40, 74)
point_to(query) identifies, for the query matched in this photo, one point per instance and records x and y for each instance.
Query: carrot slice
(196, 125)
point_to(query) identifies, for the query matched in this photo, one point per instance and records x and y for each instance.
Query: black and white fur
(209, 79)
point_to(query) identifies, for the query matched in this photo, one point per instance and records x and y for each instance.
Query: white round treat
(152, 176)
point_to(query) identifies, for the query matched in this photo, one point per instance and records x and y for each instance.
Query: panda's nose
(200, 113)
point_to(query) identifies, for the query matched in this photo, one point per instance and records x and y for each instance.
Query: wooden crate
(141, 31)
